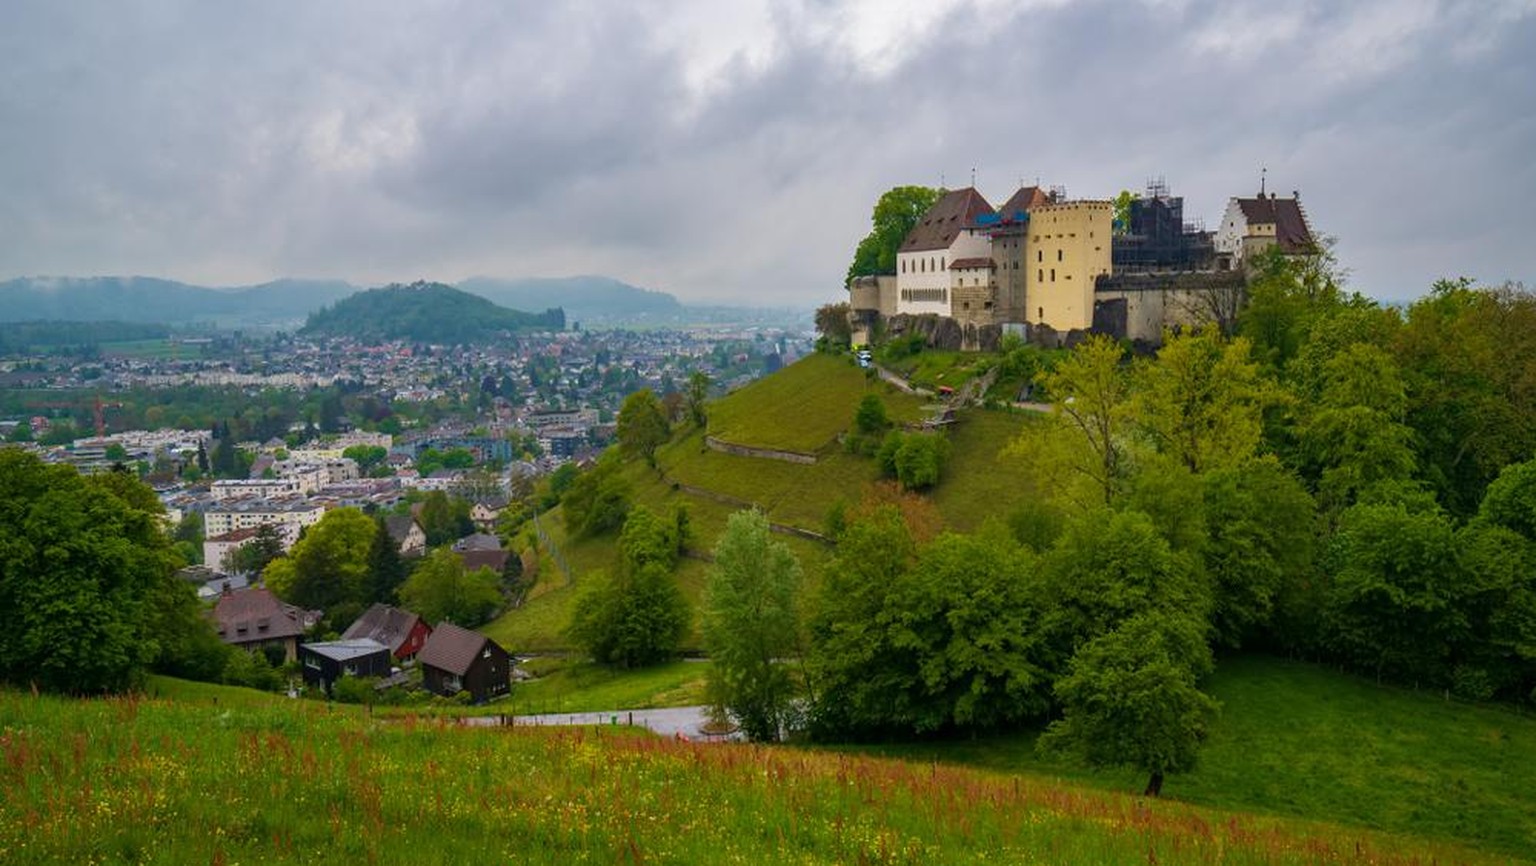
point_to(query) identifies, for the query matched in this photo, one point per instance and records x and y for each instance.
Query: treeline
(63, 336)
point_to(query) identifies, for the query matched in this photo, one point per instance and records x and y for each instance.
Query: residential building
(456, 659)
(254, 619)
(235, 514)
(405, 633)
(325, 662)
(407, 533)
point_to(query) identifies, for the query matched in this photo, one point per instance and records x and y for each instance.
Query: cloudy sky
(732, 151)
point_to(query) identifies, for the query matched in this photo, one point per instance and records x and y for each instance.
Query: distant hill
(149, 299)
(598, 300)
(425, 312)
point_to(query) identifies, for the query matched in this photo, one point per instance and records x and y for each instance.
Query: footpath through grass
(147, 781)
(1298, 740)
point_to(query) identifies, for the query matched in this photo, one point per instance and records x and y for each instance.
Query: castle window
(1039, 255)
(1041, 276)
(1053, 275)
(1058, 255)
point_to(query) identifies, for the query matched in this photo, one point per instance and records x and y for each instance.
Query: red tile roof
(954, 212)
(1026, 199)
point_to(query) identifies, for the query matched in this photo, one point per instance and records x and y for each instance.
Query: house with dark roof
(254, 619)
(403, 632)
(407, 533)
(1252, 225)
(456, 659)
(325, 662)
(940, 237)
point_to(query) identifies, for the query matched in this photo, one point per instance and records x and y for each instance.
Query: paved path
(670, 722)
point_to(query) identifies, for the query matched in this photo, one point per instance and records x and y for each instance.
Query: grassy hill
(804, 407)
(159, 781)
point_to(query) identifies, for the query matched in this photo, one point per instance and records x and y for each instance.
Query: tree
(631, 618)
(441, 590)
(1395, 603)
(698, 394)
(366, 456)
(894, 216)
(1261, 537)
(914, 459)
(751, 626)
(1354, 440)
(1201, 401)
(832, 324)
(253, 557)
(386, 568)
(328, 566)
(444, 518)
(642, 425)
(1108, 567)
(1130, 698)
(597, 501)
(637, 615)
(1091, 393)
(871, 416)
(81, 566)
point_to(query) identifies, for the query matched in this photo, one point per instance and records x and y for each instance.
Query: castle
(1052, 268)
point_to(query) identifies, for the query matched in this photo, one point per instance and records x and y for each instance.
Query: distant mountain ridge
(286, 302)
(584, 298)
(427, 313)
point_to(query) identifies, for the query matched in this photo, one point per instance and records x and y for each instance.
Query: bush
(353, 690)
(914, 459)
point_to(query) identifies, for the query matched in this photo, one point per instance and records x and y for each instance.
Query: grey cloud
(391, 141)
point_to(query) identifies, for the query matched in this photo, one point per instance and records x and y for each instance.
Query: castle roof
(954, 212)
(1026, 199)
(1291, 232)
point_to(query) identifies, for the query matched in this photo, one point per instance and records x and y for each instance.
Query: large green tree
(635, 615)
(1131, 697)
(82, 564)
(642, 425)
(1201, 400)
(751, 626)
(895, 214)
(329, 565)
(441, 589)
(1091, 393)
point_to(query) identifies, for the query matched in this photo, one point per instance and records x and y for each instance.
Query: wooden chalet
(325, 662)
(405, 633)
(459, 660)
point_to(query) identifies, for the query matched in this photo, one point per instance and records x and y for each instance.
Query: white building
(923, 280)
(263, 488)
(235, 514)
(1252, 225)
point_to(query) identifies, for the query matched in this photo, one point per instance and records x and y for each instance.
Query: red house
(403, 632)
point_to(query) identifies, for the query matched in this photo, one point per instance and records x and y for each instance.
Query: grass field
(566, 686)
(155, 781)
(1298, 740)
(802, 407)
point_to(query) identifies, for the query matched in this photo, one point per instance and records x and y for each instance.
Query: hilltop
(425, 312)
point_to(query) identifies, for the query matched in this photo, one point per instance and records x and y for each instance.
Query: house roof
(1026, 199)
(236, 534)
(1291, 232)
(477, 541)
(249, 615)
(345, 650)
(962, 264)
(954, 212)
(495, 560)
(388, 625)
(399, 526)
(453, 649)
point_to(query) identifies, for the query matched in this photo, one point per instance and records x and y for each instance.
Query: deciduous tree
(751, 626)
